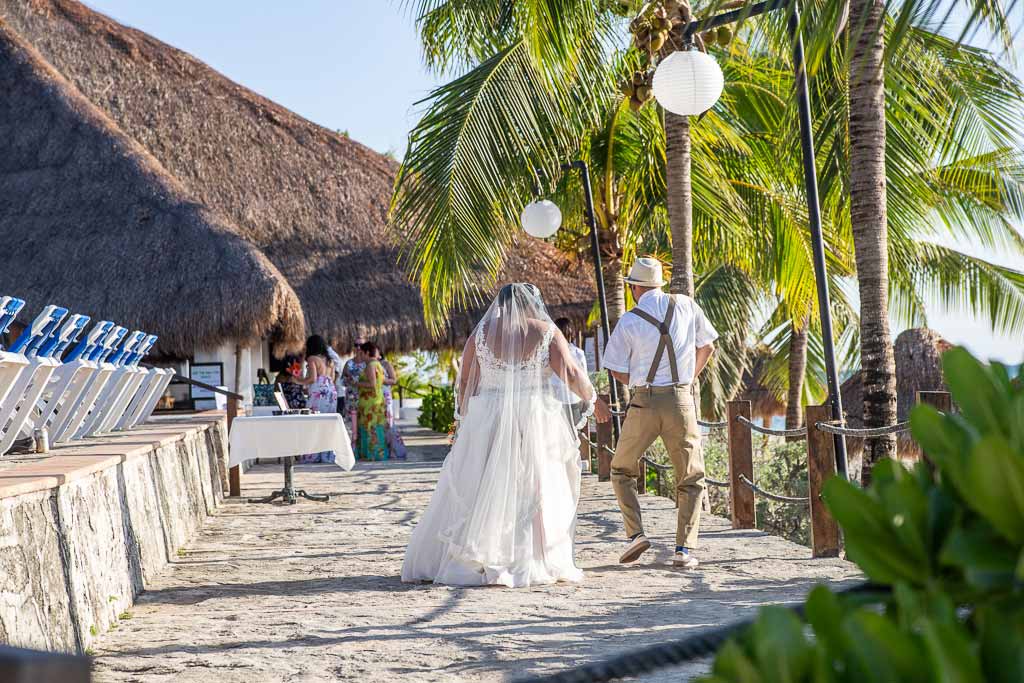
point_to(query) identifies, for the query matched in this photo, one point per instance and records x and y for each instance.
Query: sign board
(208, 373)
(593, 363)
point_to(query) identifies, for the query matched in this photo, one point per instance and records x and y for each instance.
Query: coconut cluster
(652, 29)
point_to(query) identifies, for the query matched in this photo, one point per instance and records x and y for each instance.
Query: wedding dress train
(504, 511)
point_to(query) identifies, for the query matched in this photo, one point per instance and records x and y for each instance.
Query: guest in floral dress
(350, 375)
(395, 442)
(373, 416)
(319, 377)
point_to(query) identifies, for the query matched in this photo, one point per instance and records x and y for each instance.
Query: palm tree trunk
(797, 369)
(614, 289)
(680, 201)
(868, 217)
(679, 197)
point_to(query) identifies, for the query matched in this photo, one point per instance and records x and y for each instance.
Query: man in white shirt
(657, 349)
(564, 394)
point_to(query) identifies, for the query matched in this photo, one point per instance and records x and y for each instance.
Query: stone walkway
(311, 592)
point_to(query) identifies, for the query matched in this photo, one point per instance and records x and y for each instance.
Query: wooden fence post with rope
(741, 462)
(821, 465)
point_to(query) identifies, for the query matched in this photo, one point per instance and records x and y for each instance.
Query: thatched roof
(918, 368)
(313, 201)
(764, 403)
(90, 220)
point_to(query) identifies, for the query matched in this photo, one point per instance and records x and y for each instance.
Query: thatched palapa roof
(314, 201)
(918, 354)
(764, 402)
(90, 220)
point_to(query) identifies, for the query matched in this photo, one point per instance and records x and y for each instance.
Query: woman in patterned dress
(323, 396)
(350, 375)
(373, 416)
(395, 442)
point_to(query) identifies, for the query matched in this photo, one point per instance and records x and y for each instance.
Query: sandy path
(311, 592)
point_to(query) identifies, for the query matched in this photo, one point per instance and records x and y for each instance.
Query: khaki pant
(668, 412)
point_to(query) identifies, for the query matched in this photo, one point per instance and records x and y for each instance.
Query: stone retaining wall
(74, 556)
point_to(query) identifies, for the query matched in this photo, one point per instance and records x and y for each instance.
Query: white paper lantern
(541, 218)
(688, 83)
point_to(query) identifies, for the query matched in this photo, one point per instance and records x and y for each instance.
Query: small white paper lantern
(541, 218)
(688, 83)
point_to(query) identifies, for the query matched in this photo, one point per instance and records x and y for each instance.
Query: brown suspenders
(665, 341)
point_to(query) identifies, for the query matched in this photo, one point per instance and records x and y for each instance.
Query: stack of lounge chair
(97, 387)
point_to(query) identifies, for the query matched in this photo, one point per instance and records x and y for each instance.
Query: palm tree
(519, 104)
(869, 214)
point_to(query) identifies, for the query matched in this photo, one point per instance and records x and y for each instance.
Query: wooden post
(604, 441)
(741, 461)
(821, 465)
(641, 481)
(235, 473)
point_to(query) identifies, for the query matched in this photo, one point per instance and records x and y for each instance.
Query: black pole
(601, 298)
(817, 242)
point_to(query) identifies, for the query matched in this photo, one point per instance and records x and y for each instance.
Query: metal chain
(865, 433)
(801, 431)
(773, 496)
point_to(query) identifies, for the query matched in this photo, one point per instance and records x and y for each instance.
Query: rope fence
(743, 493)
(865, 433)
(773, 496)
(799, 431)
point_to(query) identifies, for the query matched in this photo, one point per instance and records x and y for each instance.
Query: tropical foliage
(944, 544)
(438, 409)
(534, 84)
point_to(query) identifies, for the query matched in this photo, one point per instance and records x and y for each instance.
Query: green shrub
(946, 548)
(438, 409)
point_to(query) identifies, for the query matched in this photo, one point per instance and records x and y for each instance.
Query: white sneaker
(685, 559)
(635, 549)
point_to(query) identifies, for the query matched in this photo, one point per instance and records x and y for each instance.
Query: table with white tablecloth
(280, 436)
(286, 436)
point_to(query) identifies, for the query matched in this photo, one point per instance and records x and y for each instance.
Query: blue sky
(355, 65)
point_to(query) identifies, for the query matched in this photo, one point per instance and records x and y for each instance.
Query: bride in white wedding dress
(504, 511)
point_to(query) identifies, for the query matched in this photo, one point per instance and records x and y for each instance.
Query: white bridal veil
(505, 505)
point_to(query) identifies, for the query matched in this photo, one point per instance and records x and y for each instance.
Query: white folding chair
(112, 394)
(137, 377)
(76, 415)
(149, 392)
(20, 404)
(69, 381)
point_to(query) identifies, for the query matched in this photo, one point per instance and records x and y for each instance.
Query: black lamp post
(811, 186)
(549, 219)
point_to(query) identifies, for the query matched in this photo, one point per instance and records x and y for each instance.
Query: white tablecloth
(281, 436)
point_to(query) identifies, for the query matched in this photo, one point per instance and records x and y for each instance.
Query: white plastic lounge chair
(11, 364)
(150, 391)
(136, 377)
(69, 381)
(42, 352)
(118, 381)
(73, 420)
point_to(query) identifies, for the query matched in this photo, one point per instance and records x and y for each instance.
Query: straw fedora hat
(646, 272)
